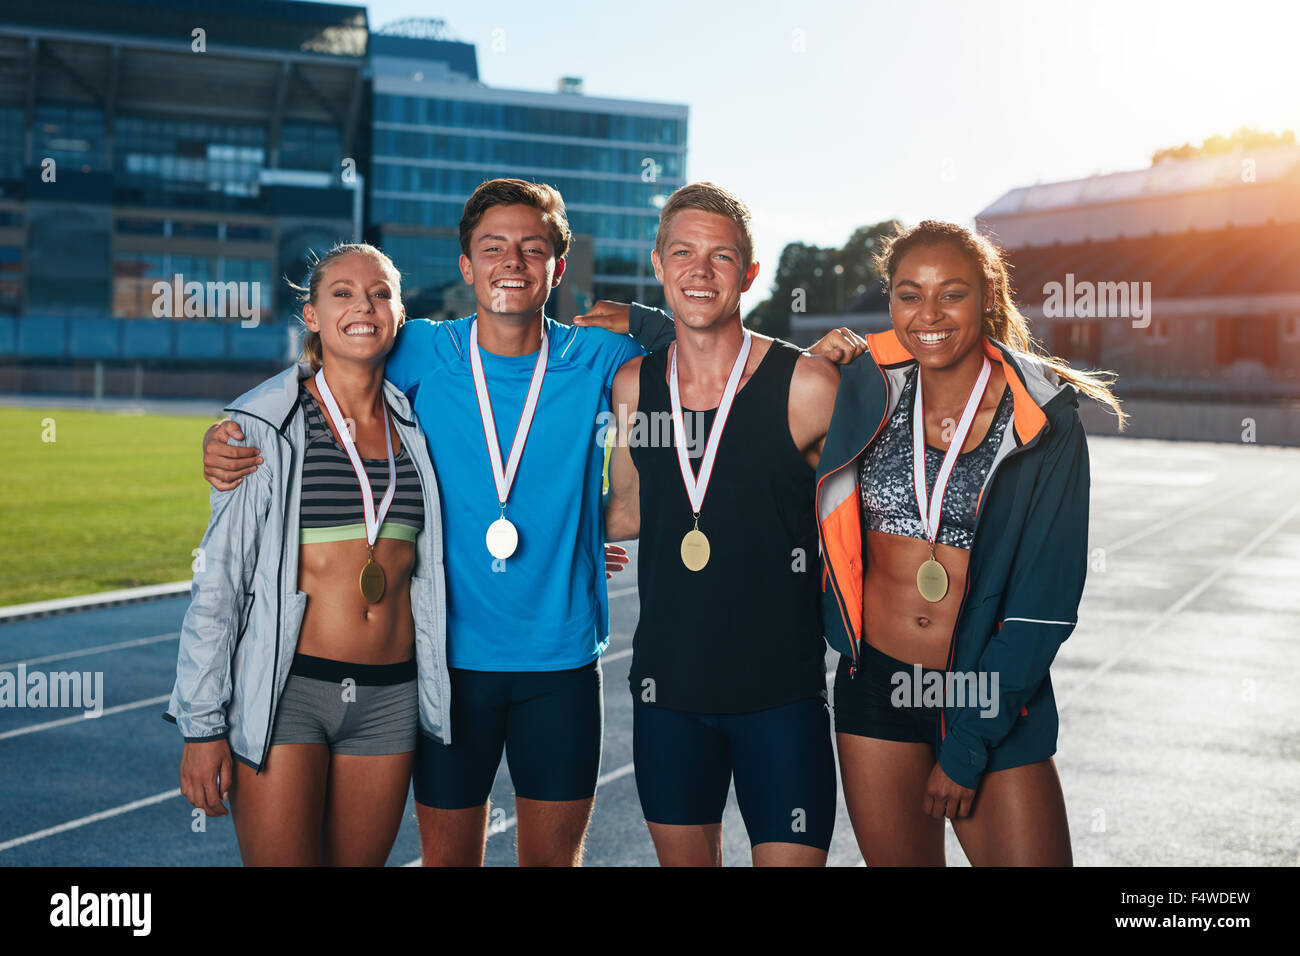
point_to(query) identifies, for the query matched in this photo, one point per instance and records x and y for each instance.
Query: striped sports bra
(888, 497)
(331, 507)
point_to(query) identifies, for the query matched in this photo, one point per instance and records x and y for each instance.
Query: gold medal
(932, 580)
(695, 550)
(372, 581)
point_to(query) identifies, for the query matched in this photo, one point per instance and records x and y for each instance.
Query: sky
(830, 115)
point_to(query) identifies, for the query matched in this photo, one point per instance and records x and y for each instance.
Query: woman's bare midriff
(896, 619)
(339, 623)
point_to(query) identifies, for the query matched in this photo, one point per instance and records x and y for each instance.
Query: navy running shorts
(873, 703)
(782, 760)
(549, 723)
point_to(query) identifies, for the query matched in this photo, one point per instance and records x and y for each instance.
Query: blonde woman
(319, 596)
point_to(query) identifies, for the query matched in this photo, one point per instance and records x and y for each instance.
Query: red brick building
(1200, 258)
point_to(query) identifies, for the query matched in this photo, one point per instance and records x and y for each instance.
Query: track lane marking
(82, 717)
(98, 649)
(1180, 604)
(92, 818)
(511, 820)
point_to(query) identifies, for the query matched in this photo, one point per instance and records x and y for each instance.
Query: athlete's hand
(206, 774)
(615, 560)
(224, 464)
(606, 314)
(841, 346)
(944, 797)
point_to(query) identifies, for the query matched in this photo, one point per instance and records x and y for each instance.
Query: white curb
(84, 602)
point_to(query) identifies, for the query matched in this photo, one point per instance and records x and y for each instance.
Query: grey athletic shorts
(360, 709)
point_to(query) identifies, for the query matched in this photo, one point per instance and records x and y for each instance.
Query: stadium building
(1181, 277)
(194, 144)
(438, 133)
(166, 164)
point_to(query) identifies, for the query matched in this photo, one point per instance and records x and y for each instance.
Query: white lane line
(1180, 604)
(510, 821)
(86, 821)
(613, 775)
(1163, 523)
(98, 649)
(87, 715)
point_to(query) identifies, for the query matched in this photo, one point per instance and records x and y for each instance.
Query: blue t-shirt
(545, 608)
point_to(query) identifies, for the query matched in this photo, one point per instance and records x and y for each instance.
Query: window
(1248, 338)
(1077, 341)
(134, 275)
(11, 280)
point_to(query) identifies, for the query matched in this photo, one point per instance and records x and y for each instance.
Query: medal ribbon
(697, 487)
(373, 520)
(505, 478)
(930, 515)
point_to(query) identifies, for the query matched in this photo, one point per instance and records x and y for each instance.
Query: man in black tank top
(728, 673)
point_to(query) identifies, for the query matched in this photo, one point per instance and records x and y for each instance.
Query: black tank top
(744, 633)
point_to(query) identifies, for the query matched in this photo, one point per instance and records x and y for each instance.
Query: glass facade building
(437, 134)
(137, 157)
(132, 153)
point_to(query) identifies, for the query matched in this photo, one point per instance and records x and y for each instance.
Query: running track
(1178, 741)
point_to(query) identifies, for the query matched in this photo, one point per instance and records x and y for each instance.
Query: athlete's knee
(452, 837)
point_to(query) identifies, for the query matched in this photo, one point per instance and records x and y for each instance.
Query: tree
(807, 279)
(1243, 138)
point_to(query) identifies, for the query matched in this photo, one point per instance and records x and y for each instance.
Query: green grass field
(113, 501)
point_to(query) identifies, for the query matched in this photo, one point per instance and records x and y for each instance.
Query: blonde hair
(1002, 321)
(709, 197)
(311, 347)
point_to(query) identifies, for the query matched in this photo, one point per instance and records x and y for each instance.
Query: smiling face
(702, 268)
(357, 311)
(936, 303)
(512, 264)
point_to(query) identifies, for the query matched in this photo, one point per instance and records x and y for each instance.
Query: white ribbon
(697, 487)
(931, 509)
(373, 520)
(505, 477)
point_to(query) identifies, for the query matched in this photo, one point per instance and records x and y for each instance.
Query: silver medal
(502, 538)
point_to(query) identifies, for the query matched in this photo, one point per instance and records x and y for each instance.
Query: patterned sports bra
(888, 498)
(331, 496)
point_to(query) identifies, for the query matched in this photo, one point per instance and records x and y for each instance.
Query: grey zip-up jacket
(241, 630)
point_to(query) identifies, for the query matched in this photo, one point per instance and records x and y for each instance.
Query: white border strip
(84, 602)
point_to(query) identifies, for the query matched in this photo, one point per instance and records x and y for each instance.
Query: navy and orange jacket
(1028, 558)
